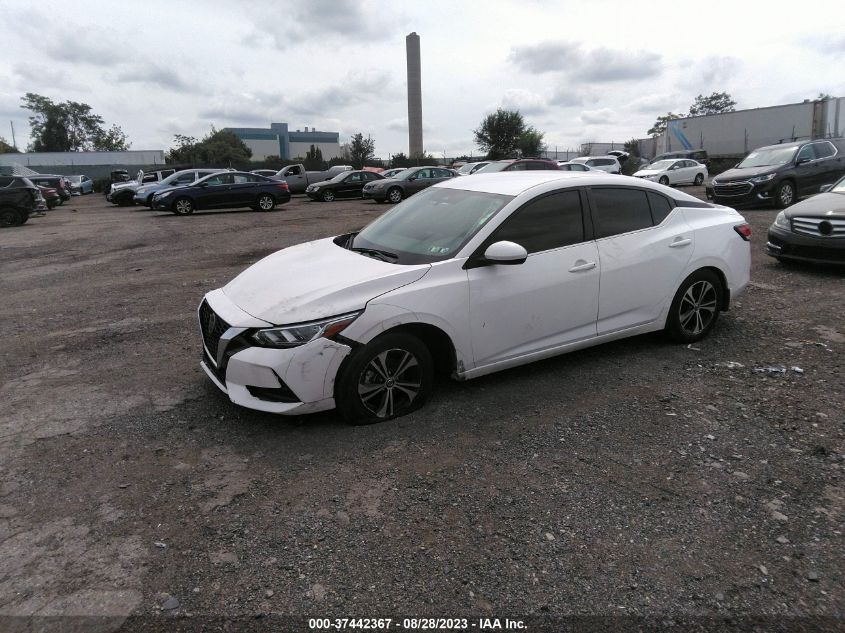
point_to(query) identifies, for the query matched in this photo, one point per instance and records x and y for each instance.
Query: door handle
(680, 241)
(581, 265)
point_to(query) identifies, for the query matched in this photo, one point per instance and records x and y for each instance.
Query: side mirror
(801, 161)
(825, 188)
(505, 253)
(202, 184)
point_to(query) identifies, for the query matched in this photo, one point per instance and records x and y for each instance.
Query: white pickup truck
(298, 179)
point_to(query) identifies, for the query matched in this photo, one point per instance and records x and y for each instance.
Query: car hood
(315, 280)
(823, 204)
(745, 173)
(649, 172)
(123, 185)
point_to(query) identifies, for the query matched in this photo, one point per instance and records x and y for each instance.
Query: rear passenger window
(550, 222)
(620, 211)
(660, 207)
(825, 150)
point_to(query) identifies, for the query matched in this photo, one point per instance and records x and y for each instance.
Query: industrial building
(278, 140)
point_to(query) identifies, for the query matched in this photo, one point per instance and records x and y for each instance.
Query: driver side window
(552, 221)
(806, 153)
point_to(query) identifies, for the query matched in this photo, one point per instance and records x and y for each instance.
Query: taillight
(744, 231)
(282, 185)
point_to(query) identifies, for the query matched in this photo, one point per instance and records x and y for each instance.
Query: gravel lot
(636, 478)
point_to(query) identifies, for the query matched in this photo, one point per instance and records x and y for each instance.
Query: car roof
(517, 182)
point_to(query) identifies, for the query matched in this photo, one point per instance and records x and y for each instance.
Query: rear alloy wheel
(784, 194)
(664, 180)
(699, 178)
(695, 307)
(387, 378)
(394, 195)
(328, 195)
(183, 206)
(10, 217)
(266, 202)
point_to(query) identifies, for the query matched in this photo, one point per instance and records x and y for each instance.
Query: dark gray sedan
(406, 183)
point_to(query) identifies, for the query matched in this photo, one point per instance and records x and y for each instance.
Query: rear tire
(265, 202)
(695, 308)
(389, 377)
(699, 178)
(183, 206)
(394, 195)
(11, 217)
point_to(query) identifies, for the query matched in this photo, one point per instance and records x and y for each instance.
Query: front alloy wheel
(785, 195)
(328, 195)
(183, 206)
(387, 378)
(695, 307)
(394, 195)
(664, 180)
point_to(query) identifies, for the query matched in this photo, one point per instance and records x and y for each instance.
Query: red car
(51, 196)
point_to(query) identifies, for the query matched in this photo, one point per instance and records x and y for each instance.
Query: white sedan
(674, 172)
(469, 277)
(565, 165)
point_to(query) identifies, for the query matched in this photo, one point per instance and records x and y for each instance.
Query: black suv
(780, 174)
(18, 199)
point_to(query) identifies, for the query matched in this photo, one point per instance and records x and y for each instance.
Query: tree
(823, 96)
(361, 150)
(716, 103)
(662, 121)
(313, 158)
(5, 148)
(68, 127)
(531, 143)
(633, 147)
(217, 148)
(499, 133)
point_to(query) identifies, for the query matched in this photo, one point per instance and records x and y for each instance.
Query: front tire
(394, 195)
(784, 194)
(664, 180)
(389, 377)
(695, 308)
(183, 206)
(265, 202)
(328, 196)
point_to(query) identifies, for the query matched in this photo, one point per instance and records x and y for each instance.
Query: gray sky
(578, 71)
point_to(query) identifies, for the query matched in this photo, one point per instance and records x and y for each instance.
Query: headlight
(294, 335)
(782, 221)
(765, 178)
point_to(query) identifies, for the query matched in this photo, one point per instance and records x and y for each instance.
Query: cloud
(598, 117)
(598, 65)
(525, 101)
(358, 87)
(95, 48)
(716, 67)
(35, 75)
(566, 97)
(317, 20)
(159, 76)
(656, 104)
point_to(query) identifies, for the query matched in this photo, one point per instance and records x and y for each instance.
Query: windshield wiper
(385, 256)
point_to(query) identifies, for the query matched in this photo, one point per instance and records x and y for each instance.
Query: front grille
(212, 327)
(738, 188)
(819, 227)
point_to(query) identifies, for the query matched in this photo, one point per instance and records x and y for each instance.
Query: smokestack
(415, 139)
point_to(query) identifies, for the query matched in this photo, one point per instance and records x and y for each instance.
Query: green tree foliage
(218, 148)
(361, 150)
(716, 103)
(531, 143)
(499, 133)
(6, 148)
(313, 159)
(69, 127)
(662, 121)
(823, 96)
(633, 147)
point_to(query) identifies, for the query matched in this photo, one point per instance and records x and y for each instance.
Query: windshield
(466, 169)
(662, 164)
(340, 177)
(432, 226)
(75, 178)
(498, 166)
(768, 156)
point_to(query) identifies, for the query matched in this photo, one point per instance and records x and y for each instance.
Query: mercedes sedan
(223, 190)
(472, 276)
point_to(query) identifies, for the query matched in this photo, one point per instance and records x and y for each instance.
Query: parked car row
(222, 190)
(19, 199)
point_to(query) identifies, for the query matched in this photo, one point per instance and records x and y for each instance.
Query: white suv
(603, 163)
(471, 276)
